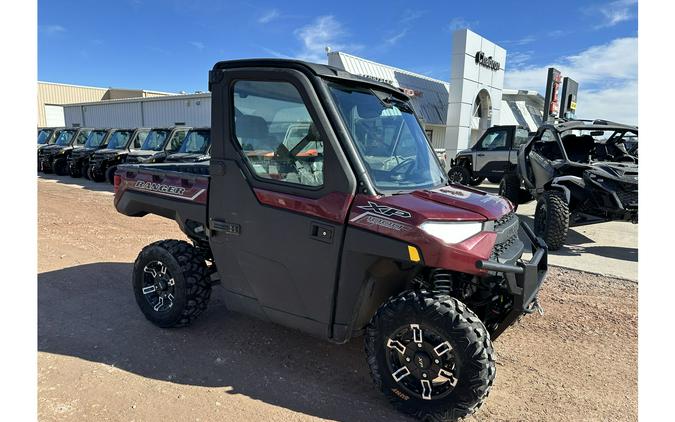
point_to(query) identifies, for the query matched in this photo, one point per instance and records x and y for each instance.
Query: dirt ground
(99, 359)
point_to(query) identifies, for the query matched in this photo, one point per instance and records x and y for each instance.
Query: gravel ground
(99, 359)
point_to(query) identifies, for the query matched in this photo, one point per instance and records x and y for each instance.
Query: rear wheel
(430, 355)
(60, 166)
(459, 175)
(171, 283)
(552, 219)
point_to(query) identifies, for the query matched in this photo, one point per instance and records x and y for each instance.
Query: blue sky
(170, 45)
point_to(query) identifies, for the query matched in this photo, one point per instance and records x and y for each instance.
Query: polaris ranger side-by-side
(78, 162)
(493, 155)
(158, 145)
(54, 158)
(580, 173)
(103, 163)
(196, 147)
(325, 209)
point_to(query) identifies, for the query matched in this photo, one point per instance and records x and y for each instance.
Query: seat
(579, 148)
(253, 133)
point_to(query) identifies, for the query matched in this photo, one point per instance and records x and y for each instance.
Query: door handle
(481, 155)
(225, 227)
(321, 232)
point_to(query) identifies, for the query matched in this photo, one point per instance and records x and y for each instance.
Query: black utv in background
(159, 143)
(195, 148)
(47, 136)
(103, 163)
(493, 155)
(54, 158)
(78, 162)
(579, 173)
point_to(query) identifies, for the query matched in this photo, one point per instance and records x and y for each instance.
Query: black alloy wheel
(422, 361)
(158, 286)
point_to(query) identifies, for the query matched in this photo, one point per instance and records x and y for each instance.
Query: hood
(110, 152)
(625, 172)
(488, 205)
(187, 157)
(464, 152)
(51, 149)
(143, 153)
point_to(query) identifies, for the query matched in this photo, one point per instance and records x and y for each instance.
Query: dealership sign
(487, 61)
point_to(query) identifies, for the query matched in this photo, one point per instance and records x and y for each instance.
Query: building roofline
(105, 88)
(141, 99)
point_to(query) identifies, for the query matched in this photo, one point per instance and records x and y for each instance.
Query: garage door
(54, 116)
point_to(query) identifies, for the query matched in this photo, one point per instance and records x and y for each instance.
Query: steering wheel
(403, 164)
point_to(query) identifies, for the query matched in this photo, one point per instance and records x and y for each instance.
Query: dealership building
(454, 112)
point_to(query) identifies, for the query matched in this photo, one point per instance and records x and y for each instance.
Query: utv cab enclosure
(493, 155)
(579, 172)
(195, 148)
(54, 158)
(159, 143)
(103, 163)
(325, 209)
(78, 162)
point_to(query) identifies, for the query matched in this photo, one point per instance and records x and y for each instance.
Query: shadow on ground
(80, 182)
(89, 312)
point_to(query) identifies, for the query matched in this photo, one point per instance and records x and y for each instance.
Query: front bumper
(524, 279)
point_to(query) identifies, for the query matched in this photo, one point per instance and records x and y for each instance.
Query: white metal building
(53, 96)
(190, 110)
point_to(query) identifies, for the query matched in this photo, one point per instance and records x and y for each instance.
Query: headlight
(452, 232)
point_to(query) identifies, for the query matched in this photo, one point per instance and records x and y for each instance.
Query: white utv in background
(494, 155)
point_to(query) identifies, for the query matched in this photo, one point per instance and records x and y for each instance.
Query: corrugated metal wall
(192, 110)
(58, 94)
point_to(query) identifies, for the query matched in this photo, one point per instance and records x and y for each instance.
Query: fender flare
(558, 183)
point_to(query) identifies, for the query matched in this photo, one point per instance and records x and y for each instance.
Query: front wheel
(476, 180)
(509, 188)
(430, 355)
(171, 283)
(95, 175)
(60, 167)
(459, 175)
(75, 171)
(552, 219)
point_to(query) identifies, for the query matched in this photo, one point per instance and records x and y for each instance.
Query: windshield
(65, 137)
(95, 138)
(196, 142)
(155, 140)
(119, 139)
(389, 139)
(588, 145)
(43, 136)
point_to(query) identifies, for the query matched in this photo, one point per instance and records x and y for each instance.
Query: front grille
(507, 245)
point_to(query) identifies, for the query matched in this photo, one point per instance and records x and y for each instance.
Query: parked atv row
(96, 153)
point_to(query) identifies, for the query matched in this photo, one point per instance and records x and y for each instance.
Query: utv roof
(591, 125)
(322, 70)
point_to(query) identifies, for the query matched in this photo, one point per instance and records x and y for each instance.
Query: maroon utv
(325, 209)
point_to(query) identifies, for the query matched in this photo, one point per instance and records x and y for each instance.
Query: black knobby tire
(86, 172)
(192, 288)
(509, 188)
(476, 180)
(472, 350)
(95, 176)
(110, 174)
(459, 175)
(75, 171)
(60, 167)
(552, 219)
